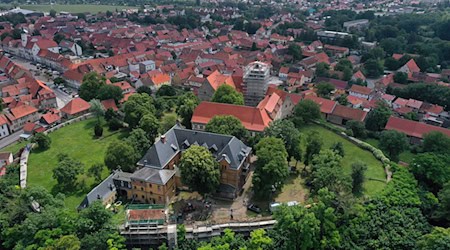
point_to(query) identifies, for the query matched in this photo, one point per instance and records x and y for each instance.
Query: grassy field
(77, 141)
(353, 154)
(73, 8)
(15, 147)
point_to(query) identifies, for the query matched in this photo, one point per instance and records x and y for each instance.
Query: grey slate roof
(179, 139)
(156, 176)
(102, 190)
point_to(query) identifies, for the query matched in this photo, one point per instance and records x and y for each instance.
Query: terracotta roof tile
(252, 118)
(76, 106)
(413, 128)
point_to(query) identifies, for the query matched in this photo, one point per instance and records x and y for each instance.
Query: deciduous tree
(121, 155)
(271, 166)
(228, 125)
(42, 140)
(199, 170)
(358, 177)
(306, 111)
(67, 171)
(227, 94)
(393, 143)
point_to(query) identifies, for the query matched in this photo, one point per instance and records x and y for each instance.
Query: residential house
(254, 119)
(289, 100)
(20, 115)
(212, 83)
(388, 99)
(326, 106)
(51, 118)
(342, 114)
(336, 51)
(360, 91)
(110, 104)
(414, 130)
(409, 68)
(147, 66)
(72, 47)
(4, 126)
(158, 176)
(6, 158)
(415, 105)
(399, 102)
(74, 108)
(125, 87)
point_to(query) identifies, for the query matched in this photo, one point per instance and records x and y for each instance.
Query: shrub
(115, 124)
(98, 130)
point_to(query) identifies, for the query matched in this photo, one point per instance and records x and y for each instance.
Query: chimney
(163, 138)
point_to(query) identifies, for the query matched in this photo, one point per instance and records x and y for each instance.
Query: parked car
(254, 208)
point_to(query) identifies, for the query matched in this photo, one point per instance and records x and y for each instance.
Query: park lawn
(353, 154)
(72, 8)
(77, 141)
(293, 190)
(15, 147)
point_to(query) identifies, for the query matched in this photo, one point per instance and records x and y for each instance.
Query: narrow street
(10, 139)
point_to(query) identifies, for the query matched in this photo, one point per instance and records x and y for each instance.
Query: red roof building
(415, 130)
(326, 106)
(110, 104)
(76, 107)
(253, 119)
(342, 114)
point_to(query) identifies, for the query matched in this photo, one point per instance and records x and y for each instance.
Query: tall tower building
(256, 81)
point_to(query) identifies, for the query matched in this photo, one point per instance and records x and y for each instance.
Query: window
(149, 185)
(142, 188)
(159, 188)
(143, 197)
(160, 198)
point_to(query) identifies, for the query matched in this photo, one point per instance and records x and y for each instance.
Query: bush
(115, 124)
(43, 141)
(98, 130)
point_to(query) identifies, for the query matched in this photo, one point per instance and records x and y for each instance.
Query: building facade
(256, 81)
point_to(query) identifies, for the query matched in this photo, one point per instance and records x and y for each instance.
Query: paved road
(10, 139)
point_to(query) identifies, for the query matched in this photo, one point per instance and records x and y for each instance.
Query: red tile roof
(216, 79)
(326, 106)
(253, 119)
(22, 110)
(413, 128)
(360, 89)
(110, 104)
(51, 117)
(76, 106)
(411, 64)
(349, 113)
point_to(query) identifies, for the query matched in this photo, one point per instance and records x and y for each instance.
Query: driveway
(10, 139)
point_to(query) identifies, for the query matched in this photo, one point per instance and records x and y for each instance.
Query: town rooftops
(75, 106)
(252, 118)
(152, 175)
(413, 128)
(177, 139)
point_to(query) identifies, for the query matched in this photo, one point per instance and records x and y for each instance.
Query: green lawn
(72, 8)
(77, 141)
(352, 154)
(15, 147)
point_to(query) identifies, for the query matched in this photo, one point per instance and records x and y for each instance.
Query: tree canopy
(271, 166)
(227, 94)
(199, 170)
(228, 125)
